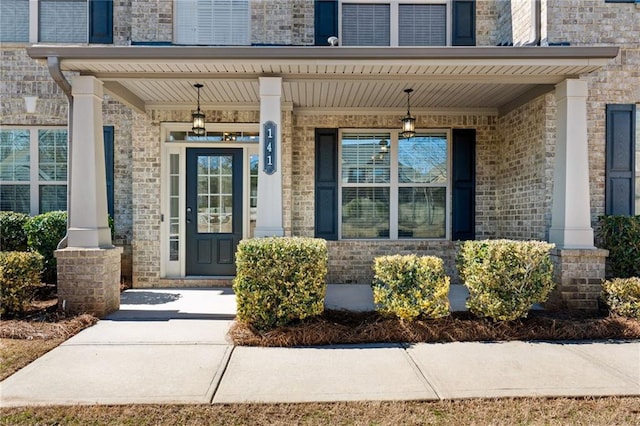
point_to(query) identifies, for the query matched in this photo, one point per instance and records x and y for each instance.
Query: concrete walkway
(170, 346)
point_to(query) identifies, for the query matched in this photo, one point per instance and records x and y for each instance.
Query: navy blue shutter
(101, 21)
(325, 21)
(108, 162)
(464, 184)
(326, 209)
(620, 170)
(464, 23)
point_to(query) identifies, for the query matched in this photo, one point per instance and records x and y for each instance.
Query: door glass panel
(253, 193)
(215, 195)
(174, 209)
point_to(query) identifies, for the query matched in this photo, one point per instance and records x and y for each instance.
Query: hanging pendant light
(198, 116)
(408, 121)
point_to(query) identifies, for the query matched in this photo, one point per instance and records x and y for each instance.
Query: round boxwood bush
(410, 286)
(279, 280)
(44, 232)
(622, 295)
(505, 278)
(19, 280)
(12, 234)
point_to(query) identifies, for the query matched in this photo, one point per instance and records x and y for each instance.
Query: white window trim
(394, 13)
(34, 20)
(34, 181)
(177, 269)
(394, 184)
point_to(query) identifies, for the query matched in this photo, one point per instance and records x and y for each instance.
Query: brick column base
(578, 274)
(89, 280)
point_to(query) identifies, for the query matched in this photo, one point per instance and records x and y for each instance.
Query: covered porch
(526, 106)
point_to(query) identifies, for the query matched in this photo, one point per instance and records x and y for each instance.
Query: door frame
(177, 269)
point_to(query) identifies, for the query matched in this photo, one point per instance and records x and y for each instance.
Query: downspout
(536, 12)
(56, 73)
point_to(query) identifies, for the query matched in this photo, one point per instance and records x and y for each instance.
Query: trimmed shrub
(505, 278)
(280, 280)
(622, 295)
(410, 286)
(12, 234)
(19, 279)
(44, 232)
(621, 236)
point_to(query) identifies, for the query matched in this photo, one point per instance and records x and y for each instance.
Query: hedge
(505, 278)
(19, 279)
(621, 236)
(280, 280)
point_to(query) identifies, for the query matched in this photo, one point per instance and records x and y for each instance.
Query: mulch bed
(42, 320)
(342, 327)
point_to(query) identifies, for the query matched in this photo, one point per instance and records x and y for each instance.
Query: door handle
(188, 214)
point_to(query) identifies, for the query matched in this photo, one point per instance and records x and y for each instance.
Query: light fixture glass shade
(197, 116)
(408, 126)
(198, 123)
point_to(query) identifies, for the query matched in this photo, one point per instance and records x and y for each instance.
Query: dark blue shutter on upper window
(326, 209)
(101, 21)
(464, 23)
(326, 21)
(109, 164)
(464, 184)
(620, 170)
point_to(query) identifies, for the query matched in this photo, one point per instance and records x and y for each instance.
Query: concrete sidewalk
(170, 346)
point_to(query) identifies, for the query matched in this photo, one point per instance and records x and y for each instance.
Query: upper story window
(14, 21)
(56, 21)
(63, 21)
(395, 23)
(212, 22)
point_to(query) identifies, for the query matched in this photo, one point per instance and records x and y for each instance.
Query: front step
(195, 282)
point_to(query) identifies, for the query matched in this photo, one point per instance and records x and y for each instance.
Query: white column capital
(571, 88)
(270, 86)
(86, 85)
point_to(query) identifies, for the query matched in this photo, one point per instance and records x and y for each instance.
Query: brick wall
(525, 171)
(282, 22)
(594, 22)
(151, 20)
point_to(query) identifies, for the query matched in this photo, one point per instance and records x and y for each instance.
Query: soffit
(335, 78)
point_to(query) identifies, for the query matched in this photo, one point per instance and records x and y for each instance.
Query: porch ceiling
(492, 78)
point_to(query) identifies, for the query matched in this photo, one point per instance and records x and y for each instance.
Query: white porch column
(269, 215)
(88, 225)
(571, 211)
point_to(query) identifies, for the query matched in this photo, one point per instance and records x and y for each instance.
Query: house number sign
(270, 142)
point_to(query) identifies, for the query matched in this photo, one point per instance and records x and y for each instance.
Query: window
(56, 21)
(14, 21)
(63, 21)
(393, 188)
(395, 23)
(33, 170)
(212, 22)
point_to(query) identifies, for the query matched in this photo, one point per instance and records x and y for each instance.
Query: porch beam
(507, 79)
(88, 225)
(269, 222)
(124, 95)
(571, 211)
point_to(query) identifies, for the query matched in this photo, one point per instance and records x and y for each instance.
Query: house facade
(526, 122)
